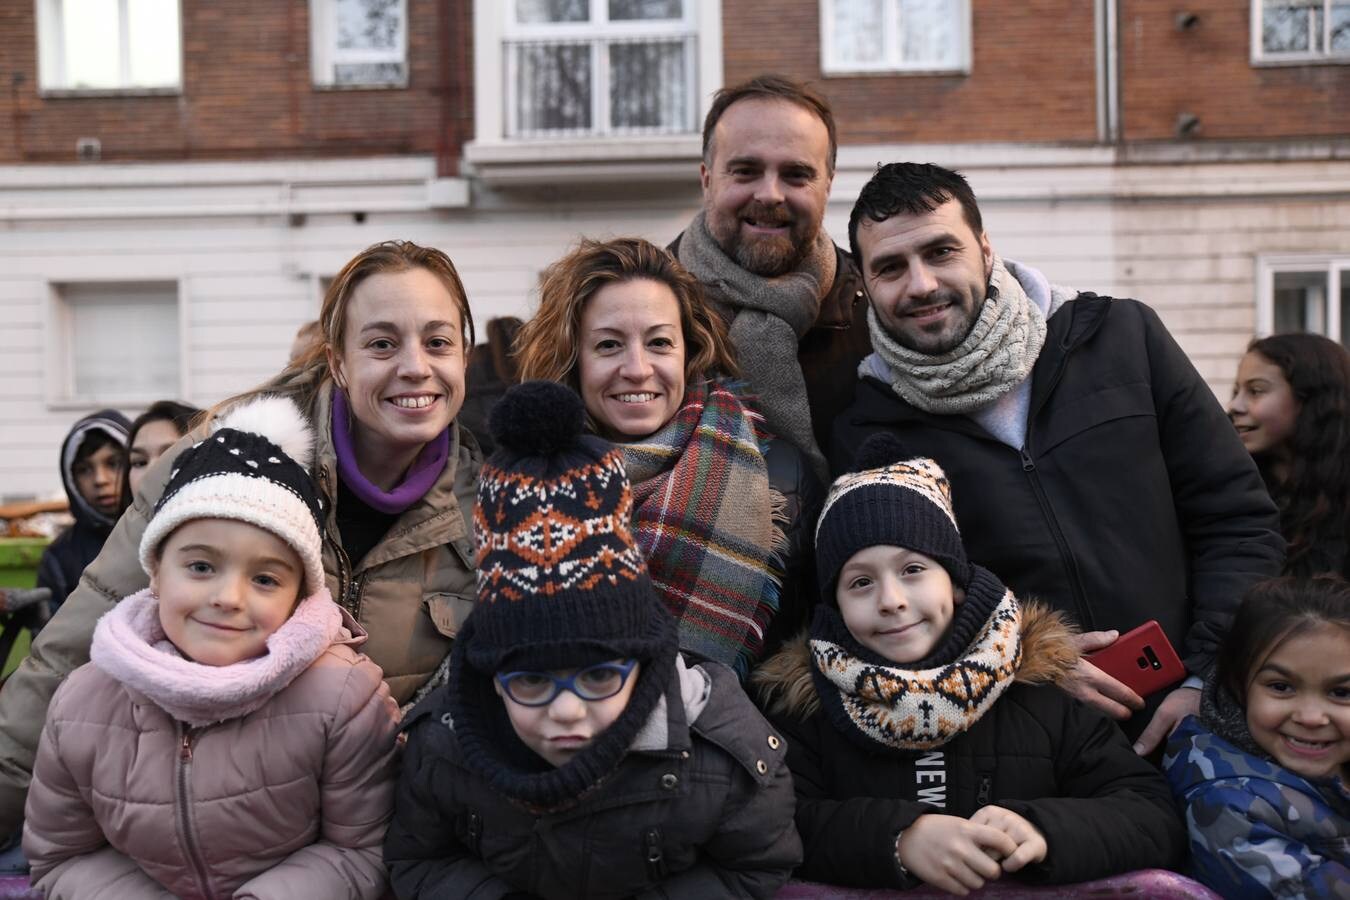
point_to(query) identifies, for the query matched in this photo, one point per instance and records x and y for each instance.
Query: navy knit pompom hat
(561, 585)
(893, 499)
(561, 581)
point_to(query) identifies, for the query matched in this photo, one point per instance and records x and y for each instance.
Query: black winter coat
(803, 495)
(1133, 498)
(1064, 767)
(709, 816)
(65, 559)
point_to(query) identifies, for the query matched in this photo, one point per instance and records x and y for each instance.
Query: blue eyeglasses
(597, 682)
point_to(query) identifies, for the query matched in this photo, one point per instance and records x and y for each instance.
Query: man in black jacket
(792, 300)
(1091, 466)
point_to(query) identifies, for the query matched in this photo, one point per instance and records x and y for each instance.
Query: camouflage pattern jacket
(1257, 829)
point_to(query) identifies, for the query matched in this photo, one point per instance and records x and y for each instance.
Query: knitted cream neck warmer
(880, 704)
(129, 644)
(995, 357)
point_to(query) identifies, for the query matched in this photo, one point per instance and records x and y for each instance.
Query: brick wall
(1033, 74)
(247, 93)
(1207, 71)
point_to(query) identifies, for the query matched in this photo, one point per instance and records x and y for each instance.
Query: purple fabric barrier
(1155, 884)
(16, 887)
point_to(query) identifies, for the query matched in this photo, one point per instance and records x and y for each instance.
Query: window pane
(858, 35)
(369, 24)
(104, 321)
(930, 32)
(90, 42)
(1340, 27)
(622, 10)
(529, 12)
(1291, 26)
(1301, 302)
(155, 59)
(553, 87)
(647, 85)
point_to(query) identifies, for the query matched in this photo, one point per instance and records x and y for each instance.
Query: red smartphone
(1142, 659)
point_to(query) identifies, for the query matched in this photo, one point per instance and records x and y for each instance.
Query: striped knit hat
(561, 585)
(890, 500)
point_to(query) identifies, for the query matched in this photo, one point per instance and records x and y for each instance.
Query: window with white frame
(894, 36)
(578, 68)
(1305, 294)
(92, 327)
(359, 43)
(109, 45)
(1301, 30)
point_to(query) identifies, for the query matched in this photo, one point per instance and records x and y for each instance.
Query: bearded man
(1091, 467)
(793, 301)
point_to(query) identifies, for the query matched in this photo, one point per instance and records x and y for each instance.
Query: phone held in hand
(1142, 659)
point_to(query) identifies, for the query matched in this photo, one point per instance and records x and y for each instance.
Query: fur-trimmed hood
(783, 685)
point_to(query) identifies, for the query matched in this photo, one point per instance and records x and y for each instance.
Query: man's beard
(936, 344)
(764, 255)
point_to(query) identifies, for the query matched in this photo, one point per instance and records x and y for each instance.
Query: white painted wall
(248, 243)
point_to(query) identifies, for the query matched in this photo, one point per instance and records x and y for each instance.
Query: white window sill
(846, 72)
(384, 86)
(600, 160)
(60, 93)
(1277, 62)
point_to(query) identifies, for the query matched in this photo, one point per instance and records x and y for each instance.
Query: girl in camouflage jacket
(1262, 772)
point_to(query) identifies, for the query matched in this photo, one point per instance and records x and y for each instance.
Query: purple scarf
(422, 474)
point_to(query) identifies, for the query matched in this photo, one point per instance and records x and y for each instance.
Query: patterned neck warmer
(703, 518)
(882, 705)
(995, 357)
(768, 316)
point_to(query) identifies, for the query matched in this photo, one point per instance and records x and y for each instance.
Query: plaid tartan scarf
(704, 521)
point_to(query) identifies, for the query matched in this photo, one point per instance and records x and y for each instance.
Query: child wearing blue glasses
(573, 752)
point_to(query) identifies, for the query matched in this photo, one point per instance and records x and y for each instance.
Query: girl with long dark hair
(1291, 407)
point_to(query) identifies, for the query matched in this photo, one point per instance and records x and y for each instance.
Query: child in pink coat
(226, 739)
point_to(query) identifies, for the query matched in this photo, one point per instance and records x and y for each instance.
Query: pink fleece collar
(129, 644)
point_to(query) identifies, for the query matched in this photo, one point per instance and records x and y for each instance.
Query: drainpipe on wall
(1108, 71)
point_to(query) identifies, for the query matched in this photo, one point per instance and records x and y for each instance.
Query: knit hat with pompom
(561, 585)
(252, 468)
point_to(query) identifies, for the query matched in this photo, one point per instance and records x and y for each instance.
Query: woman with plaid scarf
(723, 511)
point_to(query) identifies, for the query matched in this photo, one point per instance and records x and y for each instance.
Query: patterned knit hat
(893, 501)
(249, 470)
(561, 584)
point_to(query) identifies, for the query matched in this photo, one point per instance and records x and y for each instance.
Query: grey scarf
(995, 357)
(769, 316)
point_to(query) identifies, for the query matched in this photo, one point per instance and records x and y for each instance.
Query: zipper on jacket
(352, 597)
(475, 834)
(984, 789)
(1066, 556)
(184, 814)
(344, 575)
(652, 846)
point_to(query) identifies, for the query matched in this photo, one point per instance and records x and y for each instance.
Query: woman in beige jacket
(395, 474)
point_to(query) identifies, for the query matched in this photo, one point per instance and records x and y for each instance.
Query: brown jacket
(291, 800)
(410, 593)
